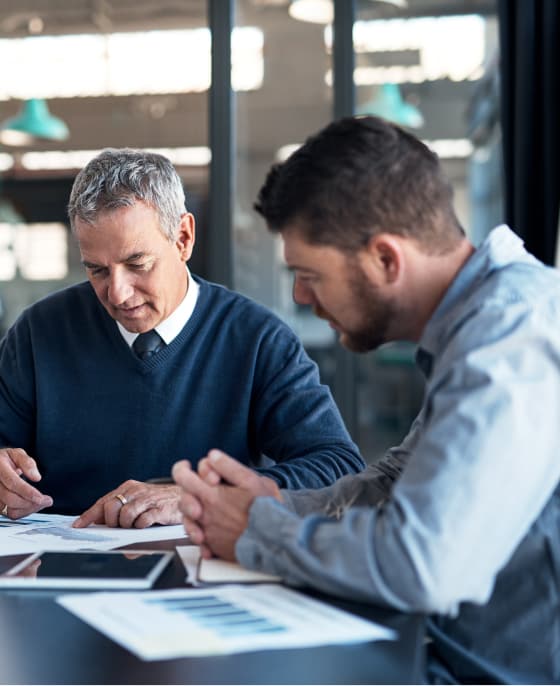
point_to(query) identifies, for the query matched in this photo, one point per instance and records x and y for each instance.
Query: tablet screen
(88, 569)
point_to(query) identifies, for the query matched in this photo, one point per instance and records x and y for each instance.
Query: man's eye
(96, 271)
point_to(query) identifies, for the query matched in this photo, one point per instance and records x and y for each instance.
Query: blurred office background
(81, 75)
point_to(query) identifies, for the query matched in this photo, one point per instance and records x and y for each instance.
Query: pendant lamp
(33, 121)
(389, 104)
(322, 11)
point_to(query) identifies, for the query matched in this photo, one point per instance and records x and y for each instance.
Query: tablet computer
(95, 569)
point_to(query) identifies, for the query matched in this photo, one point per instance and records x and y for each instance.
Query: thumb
(179, 470)
(230, 470)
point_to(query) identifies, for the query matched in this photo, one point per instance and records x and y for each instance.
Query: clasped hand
(216, 500)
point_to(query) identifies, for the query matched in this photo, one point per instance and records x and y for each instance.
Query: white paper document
(55, 532)
(215, 571)
(161, 625)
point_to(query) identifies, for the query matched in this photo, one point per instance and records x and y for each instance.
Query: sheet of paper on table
(55, 532)
(219, 621)
(215, 571)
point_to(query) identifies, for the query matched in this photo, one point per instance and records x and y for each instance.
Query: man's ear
(186, 238)
(385, 254)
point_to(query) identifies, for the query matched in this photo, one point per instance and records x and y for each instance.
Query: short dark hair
(357, 177)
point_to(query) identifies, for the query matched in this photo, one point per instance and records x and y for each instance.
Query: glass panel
(41, 251)
(294, 101)
(434, 72)
(440, 65)
(148, 74)
(106, 58)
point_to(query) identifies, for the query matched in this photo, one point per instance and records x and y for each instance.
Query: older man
(106, 384)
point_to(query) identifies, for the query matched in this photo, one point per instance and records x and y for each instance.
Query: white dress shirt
(173, 325)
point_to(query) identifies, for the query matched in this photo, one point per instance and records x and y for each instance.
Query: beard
(378, 315)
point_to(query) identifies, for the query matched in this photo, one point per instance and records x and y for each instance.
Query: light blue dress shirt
(462, 520)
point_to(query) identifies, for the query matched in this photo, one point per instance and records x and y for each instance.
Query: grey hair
(120, 178)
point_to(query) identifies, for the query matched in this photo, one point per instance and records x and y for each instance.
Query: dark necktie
(147, 344)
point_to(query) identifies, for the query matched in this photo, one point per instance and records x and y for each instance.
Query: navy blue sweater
(77, 399)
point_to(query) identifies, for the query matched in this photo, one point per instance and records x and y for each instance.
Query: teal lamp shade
(33, 121)
(389, 104)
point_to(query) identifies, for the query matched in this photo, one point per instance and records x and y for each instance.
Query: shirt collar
(500, 248)
(169, 328)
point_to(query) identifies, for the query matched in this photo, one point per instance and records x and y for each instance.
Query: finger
(17, 492)
(36, 500)
(119, 514)
(180, 470)
(207, 473)
(190, 481)
(19, 512)
(146, 519)
(107, 509)
(24, 464)
(205, 552)
(231, 470)
(148, 504)
(128, 514)
(123, 505)
(193, 531)
(190, 506)
(93, 515)
(16, 502)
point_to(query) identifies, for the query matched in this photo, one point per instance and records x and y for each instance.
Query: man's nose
(120, 288)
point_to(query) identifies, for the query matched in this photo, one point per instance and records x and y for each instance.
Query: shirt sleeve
(297, 424)
(483, 466)
(370, 487)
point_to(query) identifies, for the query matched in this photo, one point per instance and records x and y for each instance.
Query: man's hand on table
(18, 498)
(134, 504)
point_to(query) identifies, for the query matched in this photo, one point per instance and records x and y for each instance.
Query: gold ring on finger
(120, 496)
(4, 510)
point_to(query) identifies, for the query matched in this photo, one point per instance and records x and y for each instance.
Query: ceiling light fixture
(322, 11)
(389, 104)
(32, 122)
